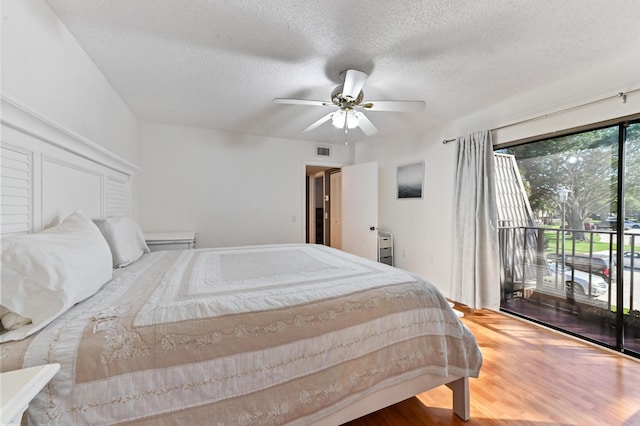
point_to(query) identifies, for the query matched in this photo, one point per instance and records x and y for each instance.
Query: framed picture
(410, 179)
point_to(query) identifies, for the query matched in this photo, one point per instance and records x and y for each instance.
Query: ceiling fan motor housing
(345, 102)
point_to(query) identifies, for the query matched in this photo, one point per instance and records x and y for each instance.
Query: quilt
(279, 334)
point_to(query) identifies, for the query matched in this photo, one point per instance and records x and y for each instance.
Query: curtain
(475, 275)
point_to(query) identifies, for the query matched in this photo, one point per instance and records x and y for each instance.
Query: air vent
(323, 151)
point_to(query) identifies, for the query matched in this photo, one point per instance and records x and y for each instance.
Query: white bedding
(281, 334)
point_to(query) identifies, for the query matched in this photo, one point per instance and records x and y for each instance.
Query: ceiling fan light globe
(339, 118)
(353, 119)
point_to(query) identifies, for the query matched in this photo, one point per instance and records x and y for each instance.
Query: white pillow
(44, 274)
(125, 239)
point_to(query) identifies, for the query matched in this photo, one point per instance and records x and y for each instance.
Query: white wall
(423, 228)
(46, 72)
(231, 189)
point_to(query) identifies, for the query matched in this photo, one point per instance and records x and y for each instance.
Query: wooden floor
(530, 376)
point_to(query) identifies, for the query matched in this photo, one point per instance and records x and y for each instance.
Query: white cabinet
(385, 247)
(170, 240)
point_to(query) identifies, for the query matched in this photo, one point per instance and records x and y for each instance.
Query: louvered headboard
(48, 172)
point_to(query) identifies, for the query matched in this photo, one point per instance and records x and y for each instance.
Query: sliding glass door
(569, 216)
(630, 259)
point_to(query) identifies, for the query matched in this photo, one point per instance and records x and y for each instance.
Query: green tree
(584, 163)
(632, 172)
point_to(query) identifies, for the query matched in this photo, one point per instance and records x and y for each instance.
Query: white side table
(19, 387)
(385, 247)
(170, 240)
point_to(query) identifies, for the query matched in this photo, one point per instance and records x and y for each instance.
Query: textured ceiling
(218, 64)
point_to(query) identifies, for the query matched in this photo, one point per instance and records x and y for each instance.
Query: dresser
(184, 240)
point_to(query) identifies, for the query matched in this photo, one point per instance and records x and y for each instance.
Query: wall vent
(323, 151)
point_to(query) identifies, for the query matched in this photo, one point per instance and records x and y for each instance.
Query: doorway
(323, 206)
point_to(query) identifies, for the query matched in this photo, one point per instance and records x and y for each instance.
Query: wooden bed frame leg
(461, 402)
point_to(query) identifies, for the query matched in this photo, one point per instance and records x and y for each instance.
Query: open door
(335, 212)
(360, 209)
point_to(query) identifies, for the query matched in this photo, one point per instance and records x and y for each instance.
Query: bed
(278, 334)
(275, 334)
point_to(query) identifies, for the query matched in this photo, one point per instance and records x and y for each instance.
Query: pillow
(44, 274)
(125, 239)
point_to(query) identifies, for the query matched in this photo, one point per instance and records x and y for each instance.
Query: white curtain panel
(475, 275)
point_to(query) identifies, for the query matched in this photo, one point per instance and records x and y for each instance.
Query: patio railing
(532, 259)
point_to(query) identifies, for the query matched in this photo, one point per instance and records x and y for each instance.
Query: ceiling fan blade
(353, 83)
(301, 102)
(319, 122)
(366, 125)
(399, 106)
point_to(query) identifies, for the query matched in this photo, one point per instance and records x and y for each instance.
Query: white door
(335, 214)
(360, 209)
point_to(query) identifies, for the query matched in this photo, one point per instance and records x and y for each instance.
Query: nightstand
(170, 240)
(19, 387)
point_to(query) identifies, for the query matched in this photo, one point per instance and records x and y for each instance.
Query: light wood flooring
(530, 376)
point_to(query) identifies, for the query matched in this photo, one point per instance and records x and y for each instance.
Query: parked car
(596, 264)
(628, 256)
(610, 223)
(576, 282)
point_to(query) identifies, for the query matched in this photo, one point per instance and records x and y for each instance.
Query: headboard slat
(15, 191)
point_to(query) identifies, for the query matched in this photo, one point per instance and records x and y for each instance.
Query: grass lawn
(582, 247)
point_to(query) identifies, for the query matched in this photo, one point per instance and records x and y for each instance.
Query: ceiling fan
(349, 104)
